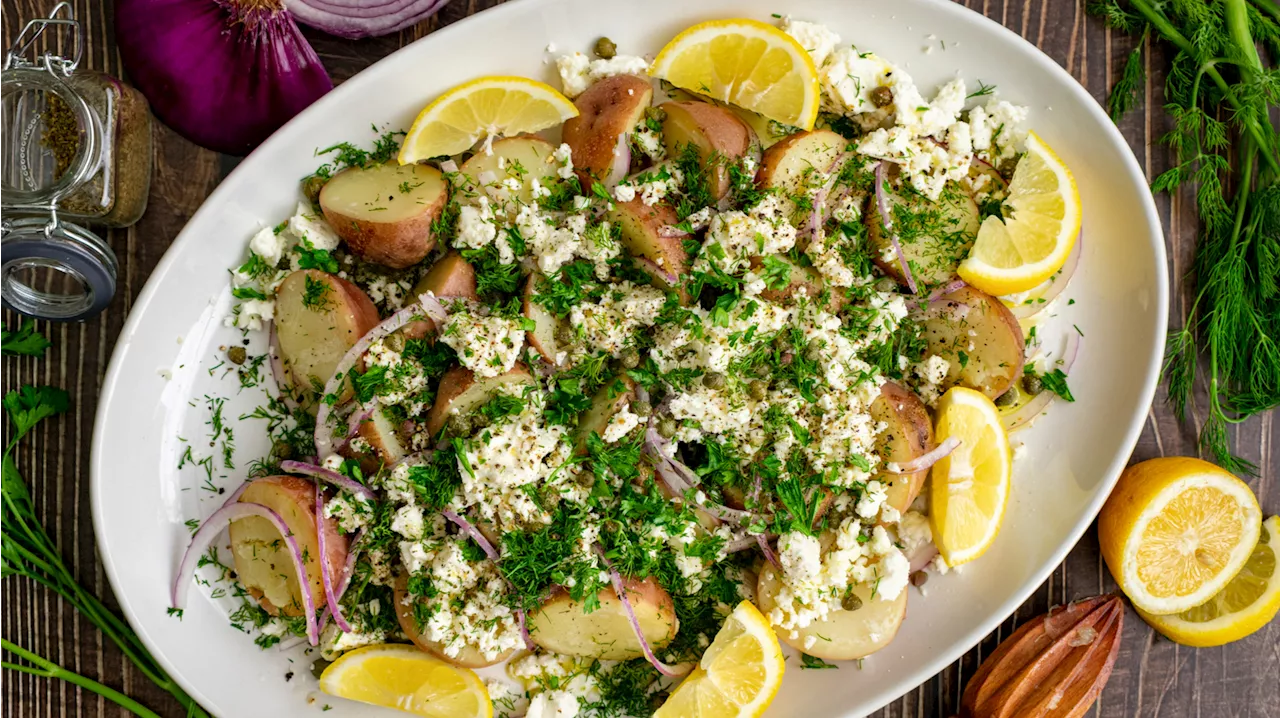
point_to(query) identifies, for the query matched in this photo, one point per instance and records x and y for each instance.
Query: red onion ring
(235, 495)
(650, 267)
(326, 571)
(278, 373)
(449, 166)
(616, 579)
(361, 414)
(1057, 285)
(332, 477)
(522, 620)
(213, 526)
(474, 533)
(348, 570)
(768, 551)
(1030, 411)
(882, 205)
(925, 460)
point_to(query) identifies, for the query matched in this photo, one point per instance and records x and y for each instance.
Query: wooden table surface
(1153, 676)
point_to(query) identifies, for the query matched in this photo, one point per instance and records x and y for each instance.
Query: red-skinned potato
(798, 164)
(643, 235)
(468, 656)
(319, 317)
(798, 278)
(842, 635)
(545, 335)
(715, 132)
(971, 321)
(934, 252)
(611, 398)
(385, 446)
(908, 435)
(380, 221)
(263, 562)
(450, 276)
(562, 625)
(607, 114)
(461, 392)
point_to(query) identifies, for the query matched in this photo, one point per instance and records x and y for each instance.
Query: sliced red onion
(326, 571)
(1057, 284)
(434, 309)
(621, 162)
(470, 530)
(281, 377)
(648, 266)
(882, 205)
(331, 477)
(768, 551)
(414, 458)
(358, 417)
(1028, 412)
(922, 556)
(925, 460)
(348, 570)
(235, 495)
(670, 230)
(741, 543)
(522, 620)
(994, 173)
(815, 217)
(949, 287)
(355, 19)
(209, 531)
(449, 166)
(616, 579)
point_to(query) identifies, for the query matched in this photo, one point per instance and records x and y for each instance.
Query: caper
(851, 602)
(641, 408)
(919, 578)
(480, 421)
(394, 342)
(759, 389)
(630, 358)
(885, 285)
(318, 667)
(1009, 398)
(460, 425)
(667, 428)
(606, 49)
(1032, 384)
(282, 450)
(813, 353)
(564, 333)
(882, 96)
(713, 380)
(657, 114)
(236, 355)
(311, 187)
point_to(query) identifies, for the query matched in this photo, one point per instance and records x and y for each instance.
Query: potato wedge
(462, 392)
(319, 317)
(546, 332)
(936, 238)
(523, 158)
(720, 137)
(981, 327)
(908, 434)
(384, 212)
(642, 235)
(842, 635)
(468, 656)
(262, 560)
(800, 278)
(609, 400)
(562, 625)
(383, 439)
(607, 114)
(450, 276)
(799, 164)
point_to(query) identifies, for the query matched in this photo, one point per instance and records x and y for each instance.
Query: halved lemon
(1247, 604)
(970, 486)
(399, 676)
(738, 675)
(488, 107)
(1042, 221)
(746, 63)
(1175, 532)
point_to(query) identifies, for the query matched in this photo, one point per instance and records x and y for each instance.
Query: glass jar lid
(54, 271)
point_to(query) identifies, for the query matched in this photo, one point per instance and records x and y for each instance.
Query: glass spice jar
(76, 146)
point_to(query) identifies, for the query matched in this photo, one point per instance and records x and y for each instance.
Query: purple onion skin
(224, 74)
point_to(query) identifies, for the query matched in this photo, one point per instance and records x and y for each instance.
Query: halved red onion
(355, 19)
(1028, 412)
(332, 477)
(474, 533)
(209, 531)
(925, 460)
(283, 386)
(882, 206)
(768, 550)
(1056, 286)
(326, 571)
(616, 579)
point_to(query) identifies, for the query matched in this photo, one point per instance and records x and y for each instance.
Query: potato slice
(806, 278)
(450, 276)
(384, 212)
(546, 326)
(383, 439)
(607, 114)
(939, 235)
(462, 392)
(562, 625)
(908, 435)
(799, 164)
(468, 656)
(720, 137)
(608, 401)
(977, 325)
(262, 560)
(642, 235)
(521, 158)
(319, 317)
(842, 635)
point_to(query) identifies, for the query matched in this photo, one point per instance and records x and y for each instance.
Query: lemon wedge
(399, 676)
(1175, 532)
(1042, 222)
(1247, 604)
(970, 486)
(746, 63)
(488, 107)
(738, 675)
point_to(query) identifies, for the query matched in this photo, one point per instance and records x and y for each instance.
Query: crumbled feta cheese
(816, 38)
(734, 237)
(270, 245)
(408, 522)
(577, 72)
(620, 424)
(488, 346)
(305, 224)
(611, 324)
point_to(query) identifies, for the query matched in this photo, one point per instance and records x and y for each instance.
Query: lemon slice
(738, 675)
(1176, 531)
(1248, 602)
(746, 63)
(487, 107)
(970, 486)
(1042, 223)
(402, 677)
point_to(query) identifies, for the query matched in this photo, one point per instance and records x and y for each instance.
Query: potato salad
(561, 400)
